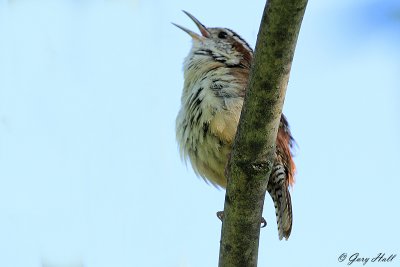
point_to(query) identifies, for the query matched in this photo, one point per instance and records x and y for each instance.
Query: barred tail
(278, 189)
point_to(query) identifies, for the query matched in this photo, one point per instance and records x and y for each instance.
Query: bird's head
(218, 44)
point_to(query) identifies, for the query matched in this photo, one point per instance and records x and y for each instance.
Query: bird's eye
(222, 35)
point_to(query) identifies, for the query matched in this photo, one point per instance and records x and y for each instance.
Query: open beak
(203, 30)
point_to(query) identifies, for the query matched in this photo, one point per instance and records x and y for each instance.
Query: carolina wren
(216, 73)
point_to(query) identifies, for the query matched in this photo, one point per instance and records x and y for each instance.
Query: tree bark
(254, 147)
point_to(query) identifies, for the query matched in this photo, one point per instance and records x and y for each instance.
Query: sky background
(90, 174)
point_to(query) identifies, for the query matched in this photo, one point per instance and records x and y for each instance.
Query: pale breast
(207, 122)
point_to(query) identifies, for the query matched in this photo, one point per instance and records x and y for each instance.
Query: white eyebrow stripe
(238, 38)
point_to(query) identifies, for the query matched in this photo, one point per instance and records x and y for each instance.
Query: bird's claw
(263, 222)
(220, 215)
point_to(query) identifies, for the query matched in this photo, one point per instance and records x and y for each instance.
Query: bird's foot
(220, 215)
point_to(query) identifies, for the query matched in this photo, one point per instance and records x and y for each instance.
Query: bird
(216, 73)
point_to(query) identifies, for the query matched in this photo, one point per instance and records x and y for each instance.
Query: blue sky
(90, 174)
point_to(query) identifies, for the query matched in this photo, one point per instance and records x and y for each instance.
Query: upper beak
(204, 32)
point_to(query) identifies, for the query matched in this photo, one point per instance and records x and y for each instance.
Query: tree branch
(254, 147)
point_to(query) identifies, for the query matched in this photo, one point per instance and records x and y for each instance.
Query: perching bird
(216, 73)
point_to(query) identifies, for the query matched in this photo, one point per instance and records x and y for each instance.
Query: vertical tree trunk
(254, 147)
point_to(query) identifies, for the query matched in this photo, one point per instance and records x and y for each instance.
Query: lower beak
(204, 32)
(191, 33)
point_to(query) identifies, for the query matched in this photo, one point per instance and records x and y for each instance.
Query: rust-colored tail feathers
(282, 177)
